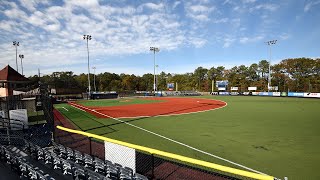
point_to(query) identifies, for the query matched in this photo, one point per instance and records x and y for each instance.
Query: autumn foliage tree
(296, 74)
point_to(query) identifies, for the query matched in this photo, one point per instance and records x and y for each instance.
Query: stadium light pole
(21, 56)
(154, 49)
(88, 37)
(16, 44)
(157, 66)
(94, 78)
(269, 43)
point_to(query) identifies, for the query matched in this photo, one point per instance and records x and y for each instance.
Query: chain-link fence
(151, 165)
(43, 127)
(27, 117)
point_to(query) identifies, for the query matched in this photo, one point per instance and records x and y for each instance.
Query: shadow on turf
(137, 119)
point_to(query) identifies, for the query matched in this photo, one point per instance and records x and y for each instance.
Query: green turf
(117, 102)
(35, 117)
(278, 136)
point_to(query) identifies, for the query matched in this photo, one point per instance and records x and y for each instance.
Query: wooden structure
(11, 80)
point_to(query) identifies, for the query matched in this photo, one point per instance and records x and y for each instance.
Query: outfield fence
(153, 163)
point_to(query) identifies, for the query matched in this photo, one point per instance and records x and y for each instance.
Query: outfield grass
(117, 102)
(278, 136)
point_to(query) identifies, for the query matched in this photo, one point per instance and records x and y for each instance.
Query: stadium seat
(138, 176)
(99, 166)
(57, 163)
(48, 158)
(70, 155)
(78, 158)
(78, 172)
(88, 161)
(111, 171)
(66, 168)
(125, 173)
(40, 154)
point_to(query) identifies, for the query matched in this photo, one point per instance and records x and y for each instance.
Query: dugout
(103, 95)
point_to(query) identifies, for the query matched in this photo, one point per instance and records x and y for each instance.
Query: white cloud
(198, 12)
(310, 4)
(244, 40)
(228, 42)
(153, 6)
(249, 1)
(222, 20)
(55, 33)
(177, 3)
(268, 7)
(284, 36)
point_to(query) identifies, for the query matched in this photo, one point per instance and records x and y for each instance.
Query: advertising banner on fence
(121, 155)
(314, 95)
(221, 88)
(276, 94)
(234, 93)
(265, 93)
(234, 88)
(283, 93)
(255, 93)
(295, 94)
(252, 88)
(224, 93)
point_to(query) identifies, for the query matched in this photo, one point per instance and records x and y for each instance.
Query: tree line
(296, 74)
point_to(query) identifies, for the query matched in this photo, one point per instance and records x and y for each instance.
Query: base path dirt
(167, 107)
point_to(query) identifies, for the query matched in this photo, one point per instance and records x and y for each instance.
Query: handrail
(174, 156)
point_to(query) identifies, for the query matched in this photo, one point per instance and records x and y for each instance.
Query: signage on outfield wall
(314, 95)
(234, 93)
(221, 88)
(276, 94)
(295, 94)
(283, 93)
(255, 93)
(224, 93)
(234, 88)
(252, 88)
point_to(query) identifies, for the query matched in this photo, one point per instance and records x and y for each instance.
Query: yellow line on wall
(174, 156)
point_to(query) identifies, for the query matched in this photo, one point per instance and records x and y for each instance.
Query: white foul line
(193, 148)
(65, 108)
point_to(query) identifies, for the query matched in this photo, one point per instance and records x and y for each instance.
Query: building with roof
(11, 80)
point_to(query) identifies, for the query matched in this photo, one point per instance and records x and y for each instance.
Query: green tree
(200, 74)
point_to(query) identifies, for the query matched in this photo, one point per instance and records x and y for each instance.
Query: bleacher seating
(31, 161)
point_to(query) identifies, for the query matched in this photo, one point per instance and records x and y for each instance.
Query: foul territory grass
(117, 102)
(278, 136)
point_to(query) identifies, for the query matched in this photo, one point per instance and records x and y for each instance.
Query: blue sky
(189, 33)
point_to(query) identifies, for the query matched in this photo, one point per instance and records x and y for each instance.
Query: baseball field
(278, 136)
